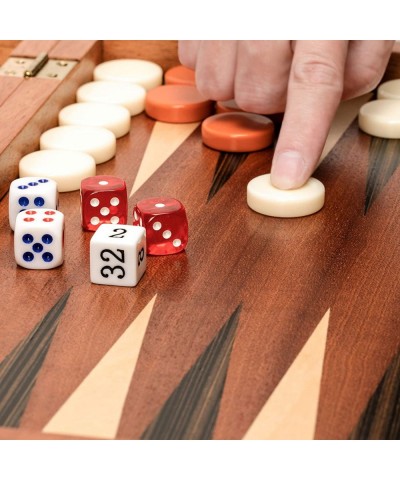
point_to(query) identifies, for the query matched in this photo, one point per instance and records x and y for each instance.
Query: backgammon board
(264, 328)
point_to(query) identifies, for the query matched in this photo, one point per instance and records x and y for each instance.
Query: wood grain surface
(381, 418)
(231, 322)
(30, 106)
(162, 52)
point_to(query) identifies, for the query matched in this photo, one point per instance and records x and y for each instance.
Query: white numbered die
(39, 239)
(31, 193)
(118, 255)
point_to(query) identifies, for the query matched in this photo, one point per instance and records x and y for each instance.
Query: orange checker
(180, 75)
(237, 132)
(177, 104)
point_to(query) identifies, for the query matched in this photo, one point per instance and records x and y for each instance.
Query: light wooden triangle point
(290, 413)
(94, 409)
(345, 114)
(165, 138)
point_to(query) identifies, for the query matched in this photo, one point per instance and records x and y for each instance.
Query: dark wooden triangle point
(191, 410)
(227, 165)
(20, 368)
(384, 158)
(381, 418)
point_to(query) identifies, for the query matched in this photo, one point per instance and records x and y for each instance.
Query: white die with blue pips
(39, 239)
(31, 192)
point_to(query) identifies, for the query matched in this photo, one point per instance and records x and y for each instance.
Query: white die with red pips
(39, 239)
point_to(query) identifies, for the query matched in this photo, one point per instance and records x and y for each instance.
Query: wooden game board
(263, 328)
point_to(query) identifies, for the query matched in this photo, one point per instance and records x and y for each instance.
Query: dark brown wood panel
(161, 52)
(392, 70)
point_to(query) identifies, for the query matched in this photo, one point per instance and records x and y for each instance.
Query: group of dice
(117, 250)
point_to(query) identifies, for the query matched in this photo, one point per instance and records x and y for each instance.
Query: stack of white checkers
(87, 131)
(381, 117)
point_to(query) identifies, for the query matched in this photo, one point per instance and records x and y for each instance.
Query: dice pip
(165, 222)
(31, 192)
(39, 239)
(118, 255)
(103, 200)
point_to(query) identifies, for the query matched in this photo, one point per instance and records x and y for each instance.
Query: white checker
(31, 192)
(106, 115)
(142, 72)
(264, 198)
(380, 118)
(127, 95)
(390, 90)
(98, 142)
(67, 168)
(38, 239)
(118, 255)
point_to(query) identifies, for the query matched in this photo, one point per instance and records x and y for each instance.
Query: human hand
(306, 79)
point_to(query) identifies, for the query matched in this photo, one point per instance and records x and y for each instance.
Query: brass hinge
(40, 67)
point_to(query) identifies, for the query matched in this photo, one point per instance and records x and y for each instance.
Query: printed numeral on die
(120, 258)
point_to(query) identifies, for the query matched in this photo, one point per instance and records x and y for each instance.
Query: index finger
(314, 92)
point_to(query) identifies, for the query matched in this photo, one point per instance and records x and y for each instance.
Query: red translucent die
(103, 200)
(165, 222)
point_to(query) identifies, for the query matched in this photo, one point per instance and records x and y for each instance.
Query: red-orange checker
(237, 132)
(180, 75)
(177, 104)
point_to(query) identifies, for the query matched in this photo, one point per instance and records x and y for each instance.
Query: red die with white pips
(103, 200)
(165, 222)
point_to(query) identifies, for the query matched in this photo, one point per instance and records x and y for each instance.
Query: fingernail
(287, 170)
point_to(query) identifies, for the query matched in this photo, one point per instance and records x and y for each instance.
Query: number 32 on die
(118, 255)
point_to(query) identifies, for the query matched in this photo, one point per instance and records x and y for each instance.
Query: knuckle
(365, 79)
(260, 99)
(212, 88)
(368, 77)
(314, 71)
